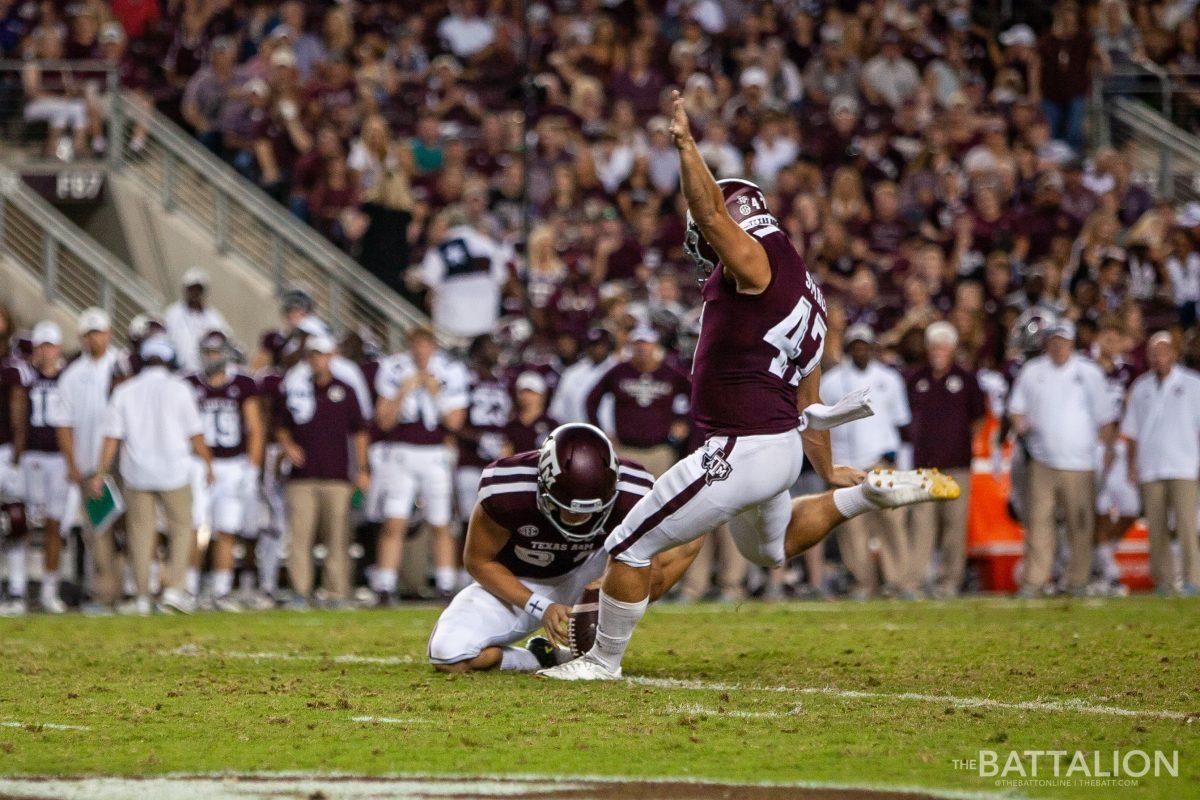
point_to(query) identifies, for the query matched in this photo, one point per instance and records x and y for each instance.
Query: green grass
(151, 707)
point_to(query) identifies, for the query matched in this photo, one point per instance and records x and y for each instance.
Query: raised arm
(742, 257)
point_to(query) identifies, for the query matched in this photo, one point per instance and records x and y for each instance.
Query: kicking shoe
(893, 488)
(227, 602)
(584, 668)
(175, 600)
(546, 653)
(138, 607)
(51, 604)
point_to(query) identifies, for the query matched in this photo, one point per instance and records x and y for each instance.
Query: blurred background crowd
(512, 173)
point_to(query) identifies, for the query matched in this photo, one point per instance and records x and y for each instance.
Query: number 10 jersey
(754, 349)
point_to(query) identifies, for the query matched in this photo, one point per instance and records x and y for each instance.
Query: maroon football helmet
(577, 472)
(744, 201)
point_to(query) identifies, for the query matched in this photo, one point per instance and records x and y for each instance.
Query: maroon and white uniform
(489, 408)
(752, 352)
(418, 462)
(545, 561)
(229, 505)
(43, 468)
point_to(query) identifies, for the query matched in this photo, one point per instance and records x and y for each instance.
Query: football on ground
(798, 700)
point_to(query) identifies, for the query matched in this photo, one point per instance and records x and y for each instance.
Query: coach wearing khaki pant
(947, 406)
(320, 420)
(1162, 426)
(1063, 408)
(154, 421)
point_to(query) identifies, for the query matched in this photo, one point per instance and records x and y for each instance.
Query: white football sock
(615, 629)
(49, 584)
(16, 568)
(383, 580)
(222, 582)
(852, 501)
(518, 659)
(444, 578)
(267, 554)
(192, 581)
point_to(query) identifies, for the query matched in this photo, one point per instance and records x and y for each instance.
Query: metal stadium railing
(243, 220)
(73, 270)
(1164, 155)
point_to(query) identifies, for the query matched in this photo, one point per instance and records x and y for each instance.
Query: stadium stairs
(168, 205)
(1165, 157)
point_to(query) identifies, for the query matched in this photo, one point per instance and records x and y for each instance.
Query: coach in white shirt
(191, 319)
(578, 380)
(1162, 426)
(866, 444)
(154, 421)
(77, 415)
(1062, 407)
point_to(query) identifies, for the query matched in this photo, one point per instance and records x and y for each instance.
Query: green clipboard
(106, 509)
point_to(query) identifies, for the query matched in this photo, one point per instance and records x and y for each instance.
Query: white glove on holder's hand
(820, 417)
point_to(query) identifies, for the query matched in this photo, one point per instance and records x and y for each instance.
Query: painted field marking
(50, 726)
(1050, 706)
(231, 786)
(392, 720)
(350, 658)
(737, 713)
(1053, 706)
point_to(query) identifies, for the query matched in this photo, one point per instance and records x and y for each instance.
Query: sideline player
(534, 543)
(755, 371)
(234, 432)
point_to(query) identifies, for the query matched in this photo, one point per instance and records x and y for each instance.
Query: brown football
(581, 625)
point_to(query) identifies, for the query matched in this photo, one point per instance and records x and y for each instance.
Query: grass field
(869, 694)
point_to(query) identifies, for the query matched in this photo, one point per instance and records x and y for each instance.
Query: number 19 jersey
(221, 411)
(754, 349)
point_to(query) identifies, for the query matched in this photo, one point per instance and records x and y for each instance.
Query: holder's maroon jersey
(535, 549)
(221, 412)
(754, 349)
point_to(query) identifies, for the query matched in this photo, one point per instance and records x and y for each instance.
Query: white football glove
(820, 417)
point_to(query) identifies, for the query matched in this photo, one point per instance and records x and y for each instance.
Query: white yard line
(1052, 706)
(1049, 706)
(243, 786)
(392, 720)
(49, 726)
(350, 658)
(695, 710)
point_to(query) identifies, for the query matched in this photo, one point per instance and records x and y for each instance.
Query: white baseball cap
(859, 332)
(644, 333)
(312, 326)
(46, 332)
(157, 346)
(531, 381)
(195, 277)
(941, 333)
(1162, 337)
(1064, 329)
(93, 319)
(321, 344)
(754, 76)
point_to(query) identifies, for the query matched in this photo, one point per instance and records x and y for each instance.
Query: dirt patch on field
(312, 787)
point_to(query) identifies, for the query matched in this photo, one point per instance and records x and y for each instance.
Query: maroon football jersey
(523, 437)
(754, 349)
(535, 549)
(645, 404)
(221, 412)
(43, 390)
(489, 408)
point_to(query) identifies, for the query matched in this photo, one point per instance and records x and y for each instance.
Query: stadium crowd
(933, 173)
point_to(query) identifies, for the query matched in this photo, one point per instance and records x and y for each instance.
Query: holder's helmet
(577, 473)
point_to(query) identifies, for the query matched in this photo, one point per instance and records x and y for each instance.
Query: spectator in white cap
(530, 424)
(154, 421)
(947, 408)
(1062, 410)
(43, 471)
(650, 404)
(866, 444)
(1162, 427)
(83, 392)
(188, 320)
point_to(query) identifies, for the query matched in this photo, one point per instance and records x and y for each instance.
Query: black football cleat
(545, 652)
